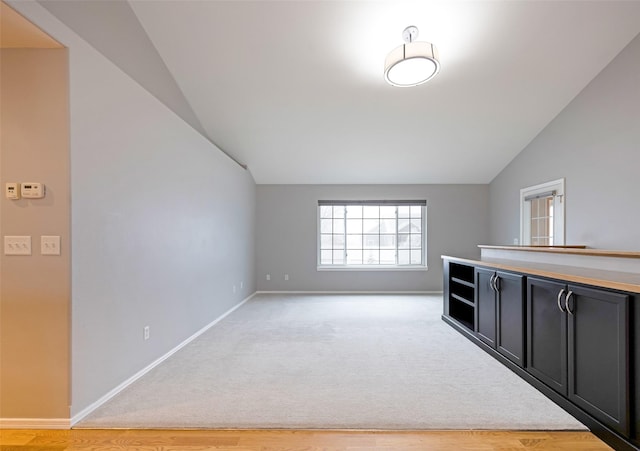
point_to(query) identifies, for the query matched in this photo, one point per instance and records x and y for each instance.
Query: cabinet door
(546, 334)
(598, 348)
(510, 338)
(485, 307)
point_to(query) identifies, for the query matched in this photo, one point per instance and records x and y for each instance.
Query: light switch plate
(50, 245)
(17, 245)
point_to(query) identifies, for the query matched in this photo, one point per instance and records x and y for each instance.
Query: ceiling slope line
(131, 50)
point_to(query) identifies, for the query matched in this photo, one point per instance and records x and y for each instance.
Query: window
(371, 234)
(542, 214)
(541, 220)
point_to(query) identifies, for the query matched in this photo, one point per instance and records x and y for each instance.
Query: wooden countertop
(615, 280)
(575, 249)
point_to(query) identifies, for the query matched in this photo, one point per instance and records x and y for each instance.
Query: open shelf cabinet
(461, 294)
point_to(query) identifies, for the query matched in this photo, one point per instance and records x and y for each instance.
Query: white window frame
(558, 210)
(352, 267)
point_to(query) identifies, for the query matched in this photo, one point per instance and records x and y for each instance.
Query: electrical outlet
(241, 285)
(286, 277)
(234, 288)
(268, 276)
(146, 332)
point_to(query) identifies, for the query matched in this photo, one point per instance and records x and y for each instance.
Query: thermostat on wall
(32, 190)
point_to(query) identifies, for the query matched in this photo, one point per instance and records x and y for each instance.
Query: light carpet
(332, 361)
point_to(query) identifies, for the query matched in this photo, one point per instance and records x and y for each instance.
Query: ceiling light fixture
(412, 63)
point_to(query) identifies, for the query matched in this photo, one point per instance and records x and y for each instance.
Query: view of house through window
(371, 233)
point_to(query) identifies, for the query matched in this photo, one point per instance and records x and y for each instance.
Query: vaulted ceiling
(295, 90)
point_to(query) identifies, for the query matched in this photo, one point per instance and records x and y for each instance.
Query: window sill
(372, 268)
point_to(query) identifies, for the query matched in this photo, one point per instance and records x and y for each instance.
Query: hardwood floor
(293, 440)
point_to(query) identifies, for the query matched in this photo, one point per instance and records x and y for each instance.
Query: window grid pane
(542, 221)
(371, 235)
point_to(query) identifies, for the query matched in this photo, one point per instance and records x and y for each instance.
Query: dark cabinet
(571, 341)
(486, 307)
(460, 294)
(500, 312)
(546, 334)
(598, 354)
(577, 344)
(511, 301)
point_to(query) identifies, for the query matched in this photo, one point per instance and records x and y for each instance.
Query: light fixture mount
(410, 34)
(412, 63)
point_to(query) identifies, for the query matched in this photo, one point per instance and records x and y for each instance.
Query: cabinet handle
(560, 301)
(496, 283)
(493, 283)
(566, 302)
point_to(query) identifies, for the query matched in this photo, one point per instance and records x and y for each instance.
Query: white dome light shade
(411, 64)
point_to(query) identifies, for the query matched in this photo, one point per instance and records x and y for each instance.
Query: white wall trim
(348, 292)
(87, 410)
(371, 268)
(35, 423)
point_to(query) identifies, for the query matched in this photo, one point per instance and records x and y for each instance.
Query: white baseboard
(35, 423)
(348, 292)
(87, 410)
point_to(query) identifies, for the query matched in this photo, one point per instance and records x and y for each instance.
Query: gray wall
(595, 144)
(130, 48)
(163, 223)
(457, 221)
